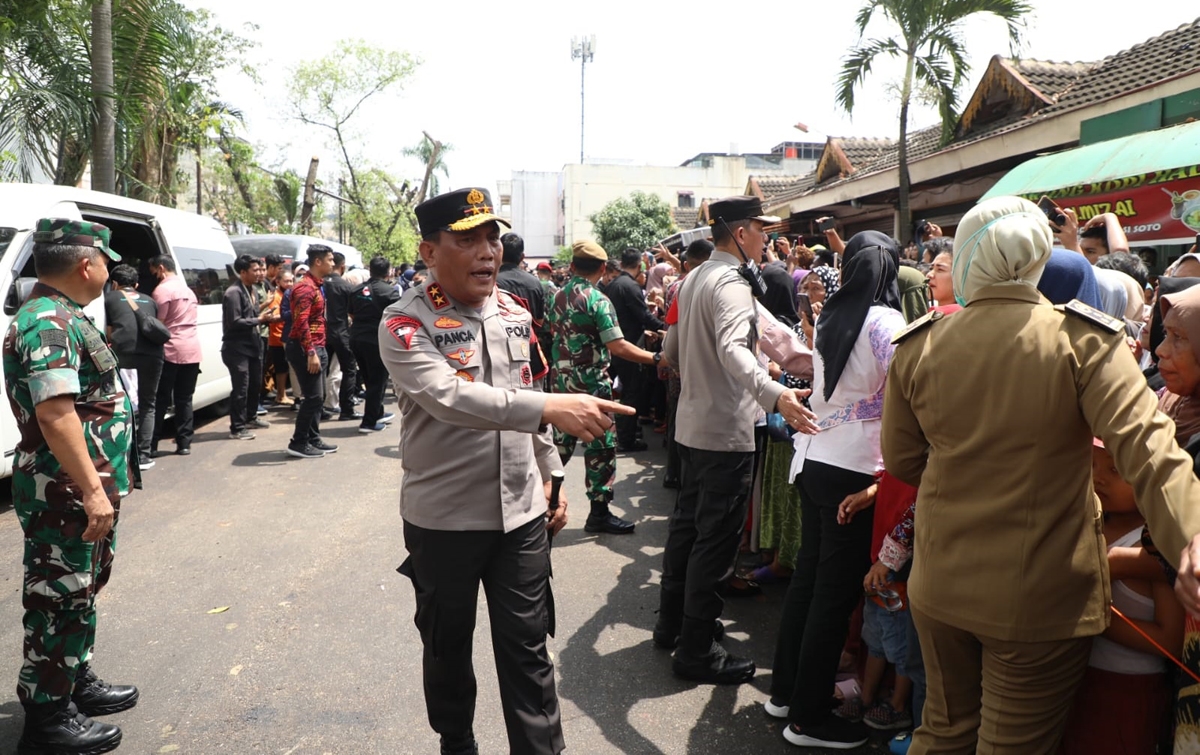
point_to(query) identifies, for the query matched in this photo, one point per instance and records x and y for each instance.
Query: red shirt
(308, 314)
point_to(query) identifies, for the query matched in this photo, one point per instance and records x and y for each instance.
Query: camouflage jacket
(53, 349)
(583, 322)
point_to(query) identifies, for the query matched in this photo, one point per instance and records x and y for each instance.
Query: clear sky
(669, 79)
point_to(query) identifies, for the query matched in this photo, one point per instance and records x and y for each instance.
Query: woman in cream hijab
(991, 413)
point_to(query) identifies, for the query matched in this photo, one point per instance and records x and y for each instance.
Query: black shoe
(833, 734)
(671, 483)
(260, 424)
(242, 434)
(666, 636)
(323, 447)
(750, 590)
(717, 667)
(58, 729)
(183, 451)
(637, 445)
(347, 416)
(327, 416)
(609, 525)
(95, 697)
(460, 745)
(304, 452)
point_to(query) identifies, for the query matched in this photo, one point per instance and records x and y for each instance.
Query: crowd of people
(970, 460)
(1030, 533)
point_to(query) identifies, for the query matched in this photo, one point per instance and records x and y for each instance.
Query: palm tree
(104, 136)
(934, 54)
(432, 153)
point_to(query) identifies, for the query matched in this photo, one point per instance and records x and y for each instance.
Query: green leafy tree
(929, 40)
(162, 95)
(329, 93)
(639, 221)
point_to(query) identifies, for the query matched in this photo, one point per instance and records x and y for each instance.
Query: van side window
(208, 272)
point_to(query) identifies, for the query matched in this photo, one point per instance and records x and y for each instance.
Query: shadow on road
(609, 685)
(272, 458)
(12, 720)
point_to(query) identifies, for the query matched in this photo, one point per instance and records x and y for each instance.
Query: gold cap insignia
(475, 196)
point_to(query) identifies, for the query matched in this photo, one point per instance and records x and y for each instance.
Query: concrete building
(585, 189)
(530, 199)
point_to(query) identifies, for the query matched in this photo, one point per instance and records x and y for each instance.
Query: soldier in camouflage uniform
(73, 465)
(585, 333)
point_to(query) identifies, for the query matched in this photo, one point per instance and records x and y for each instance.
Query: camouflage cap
(76, 232)
(588, 250)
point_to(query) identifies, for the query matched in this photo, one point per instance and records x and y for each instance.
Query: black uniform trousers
(823, 592)
(702, 540)
(338, 344)
(446, 568)
(245, 375)
(632, 385)
(312, 391)
(374, 374)
(176, 386)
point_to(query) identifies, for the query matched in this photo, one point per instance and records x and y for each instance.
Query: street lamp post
(584, 49)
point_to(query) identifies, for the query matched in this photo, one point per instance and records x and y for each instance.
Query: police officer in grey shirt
(713, 346)
(478, 455)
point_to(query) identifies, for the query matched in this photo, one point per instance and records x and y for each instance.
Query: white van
(292, 248)
(140, 230)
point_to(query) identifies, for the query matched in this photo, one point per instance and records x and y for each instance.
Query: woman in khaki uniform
(992, 413)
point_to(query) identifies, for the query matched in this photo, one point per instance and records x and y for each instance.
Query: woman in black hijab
(835, 471)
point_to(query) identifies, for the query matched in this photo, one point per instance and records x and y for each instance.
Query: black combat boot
(59, 728)
(99, 698)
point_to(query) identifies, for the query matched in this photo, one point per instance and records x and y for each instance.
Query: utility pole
(583, 48)
(310, 197)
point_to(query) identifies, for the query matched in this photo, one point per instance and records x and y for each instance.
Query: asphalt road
(254, 601)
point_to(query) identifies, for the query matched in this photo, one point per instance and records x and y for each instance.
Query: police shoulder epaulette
(437, 299)
(1092, 315)
(918, 324)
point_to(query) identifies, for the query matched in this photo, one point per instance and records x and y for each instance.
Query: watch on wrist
(657, 357)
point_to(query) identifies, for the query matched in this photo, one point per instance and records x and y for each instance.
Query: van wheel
(217, 409)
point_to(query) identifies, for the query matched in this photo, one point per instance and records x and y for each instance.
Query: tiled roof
(863, 151)
(685, 217)
(1162, 57)
(775, 186)
(1047, 77)
(1064, 86)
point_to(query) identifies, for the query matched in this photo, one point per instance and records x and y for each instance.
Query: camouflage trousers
(599, 455)
(62, 576)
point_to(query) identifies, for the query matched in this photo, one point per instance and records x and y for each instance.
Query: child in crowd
(1123, 700)
(885, 612)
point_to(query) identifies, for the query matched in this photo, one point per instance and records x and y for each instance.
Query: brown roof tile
(685, 217)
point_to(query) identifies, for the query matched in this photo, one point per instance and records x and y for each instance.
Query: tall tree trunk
(104, 137)
(905, 213)
(435, 147)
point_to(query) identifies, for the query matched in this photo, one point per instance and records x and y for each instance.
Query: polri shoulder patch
(918, 324)
(1092, 315)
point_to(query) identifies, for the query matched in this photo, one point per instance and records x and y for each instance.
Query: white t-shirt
(850, 420)
(1117, 658)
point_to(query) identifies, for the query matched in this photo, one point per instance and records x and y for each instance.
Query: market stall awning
(1150, 181)
(1139, 154)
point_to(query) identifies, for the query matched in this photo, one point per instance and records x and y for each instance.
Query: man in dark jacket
(525, 286)
(629, 301)
(337, 292)
(366, 308)
(122, 308)
(241, 347)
